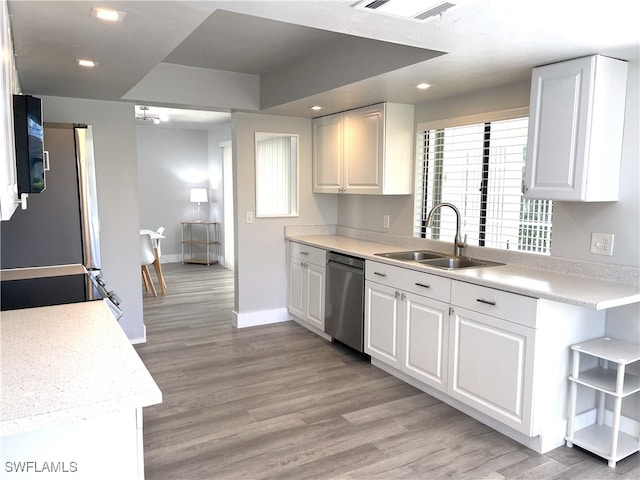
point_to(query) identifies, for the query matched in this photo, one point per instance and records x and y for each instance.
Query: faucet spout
(458, 243)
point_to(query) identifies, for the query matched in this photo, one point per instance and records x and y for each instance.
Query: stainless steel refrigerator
(61, 225)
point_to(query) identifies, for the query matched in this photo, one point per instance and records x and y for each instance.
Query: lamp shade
(198, 195)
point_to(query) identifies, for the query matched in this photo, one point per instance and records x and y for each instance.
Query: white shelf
(604, 380)
(609, 349)
(597, 439)
(605, 441)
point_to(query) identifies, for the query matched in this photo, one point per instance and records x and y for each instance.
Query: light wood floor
(279, 402)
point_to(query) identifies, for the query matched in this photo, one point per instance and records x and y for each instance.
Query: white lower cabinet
(403, 329)
(381, 325)
(426, 327)
(491, 353)
(306, 284)
(498, 356)
(491, 366)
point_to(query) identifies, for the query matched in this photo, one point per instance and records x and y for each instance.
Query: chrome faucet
(458, 243)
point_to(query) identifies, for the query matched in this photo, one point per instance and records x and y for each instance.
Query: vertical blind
(480, 169)
(273, 176)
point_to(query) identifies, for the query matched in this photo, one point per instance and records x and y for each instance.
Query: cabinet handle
(423, 285)
(380, 274)
(397, 294)
(486, 302)
(304, 253)
(403, 297)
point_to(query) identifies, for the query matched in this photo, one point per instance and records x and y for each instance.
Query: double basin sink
(438, 260)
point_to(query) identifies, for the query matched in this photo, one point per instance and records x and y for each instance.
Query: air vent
(376, 4)
(417, 10)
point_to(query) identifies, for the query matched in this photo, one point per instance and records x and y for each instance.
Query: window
(276, 175)
(479, 167)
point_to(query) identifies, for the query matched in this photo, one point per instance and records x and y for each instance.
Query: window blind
(480, 169)
(273, 172)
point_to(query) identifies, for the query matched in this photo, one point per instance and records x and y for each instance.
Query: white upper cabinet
(365, 151)
(327, 154)
(8, 86)
(576, 121)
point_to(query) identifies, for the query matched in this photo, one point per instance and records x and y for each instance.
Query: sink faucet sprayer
(458, 243)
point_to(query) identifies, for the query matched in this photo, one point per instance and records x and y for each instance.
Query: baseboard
(171, 258)
(142, 339)
(262, 317)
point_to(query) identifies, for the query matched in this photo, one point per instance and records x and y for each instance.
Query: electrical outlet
(602, 243)
(385, 221)
(248, 217)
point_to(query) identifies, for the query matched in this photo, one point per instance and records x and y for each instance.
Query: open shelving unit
(608, 377)
(203, 248)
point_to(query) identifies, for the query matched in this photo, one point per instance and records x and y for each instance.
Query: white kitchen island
(72, 393)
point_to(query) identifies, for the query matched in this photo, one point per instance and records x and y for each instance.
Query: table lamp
(198, 195)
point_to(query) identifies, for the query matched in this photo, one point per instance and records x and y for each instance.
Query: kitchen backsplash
(614, 273)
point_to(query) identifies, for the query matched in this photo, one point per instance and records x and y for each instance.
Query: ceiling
(302, 53)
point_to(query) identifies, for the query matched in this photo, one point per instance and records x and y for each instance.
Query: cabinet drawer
(314, 255)
(420, 283)
(497, 303)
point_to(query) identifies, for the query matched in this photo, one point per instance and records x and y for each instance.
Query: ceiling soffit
(293, 61)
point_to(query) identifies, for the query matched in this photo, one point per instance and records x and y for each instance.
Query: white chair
(147, 257)
(156, 264)
(159, 231)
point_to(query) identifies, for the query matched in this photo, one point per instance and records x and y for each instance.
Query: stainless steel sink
(412, 256)
(438, 260)
(454, 263)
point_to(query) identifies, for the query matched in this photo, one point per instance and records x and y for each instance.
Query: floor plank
(278, 402)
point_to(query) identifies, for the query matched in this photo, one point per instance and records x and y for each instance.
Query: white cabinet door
(381, 325)
(8, 86)
(368, 150)
(297, 291)
(315, 291)
(363, 150)
(491, 367)
(425, 332)
(328, 154)
(575, 130)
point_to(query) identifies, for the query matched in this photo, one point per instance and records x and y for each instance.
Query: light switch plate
(602, 243)
(385, 221)
(248, 217)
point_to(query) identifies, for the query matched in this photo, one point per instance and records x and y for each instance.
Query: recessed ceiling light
(86, 63)
(422, 86)
(316, 107)
(107, 14)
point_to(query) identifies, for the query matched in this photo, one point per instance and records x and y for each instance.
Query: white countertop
(65, 363)
(585, 292)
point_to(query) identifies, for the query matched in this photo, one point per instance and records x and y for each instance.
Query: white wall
(261, 278)
(572, 223)
(170, 162)
(365, 212)
(114, 136)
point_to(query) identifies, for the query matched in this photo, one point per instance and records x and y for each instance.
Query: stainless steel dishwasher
(344, 300)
